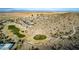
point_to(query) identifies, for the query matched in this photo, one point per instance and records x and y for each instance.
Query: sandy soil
(58, 27)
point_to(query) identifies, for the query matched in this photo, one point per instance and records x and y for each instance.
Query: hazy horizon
(39, 9)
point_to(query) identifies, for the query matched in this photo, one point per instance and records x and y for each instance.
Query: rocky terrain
(61, 30)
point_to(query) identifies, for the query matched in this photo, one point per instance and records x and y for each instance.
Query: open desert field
(40, 30)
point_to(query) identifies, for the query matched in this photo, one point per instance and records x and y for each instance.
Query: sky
(39, 9)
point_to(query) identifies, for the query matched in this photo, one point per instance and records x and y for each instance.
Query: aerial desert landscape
(39, 30)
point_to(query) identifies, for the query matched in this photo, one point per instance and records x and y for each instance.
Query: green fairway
(39, 37)
(15, 31)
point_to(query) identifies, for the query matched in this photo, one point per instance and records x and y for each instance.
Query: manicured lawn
(15, 31)
(39, 37)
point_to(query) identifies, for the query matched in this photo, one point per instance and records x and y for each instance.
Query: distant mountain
(12, 10)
